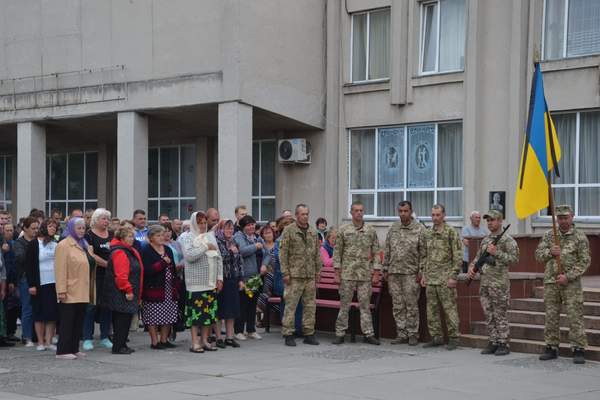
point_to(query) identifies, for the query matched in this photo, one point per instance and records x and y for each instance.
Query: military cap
(493, 214)
(563, 209)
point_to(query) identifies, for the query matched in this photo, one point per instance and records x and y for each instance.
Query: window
(171, 181)
(420, 163)
(571, 28)
(370, 43)
(442, 39)
(6, 182)
(579, 182)
(71, 182)
(263, 179)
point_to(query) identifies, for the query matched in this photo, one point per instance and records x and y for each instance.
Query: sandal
(198, 349)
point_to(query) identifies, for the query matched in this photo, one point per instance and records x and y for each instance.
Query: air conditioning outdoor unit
(294, 151)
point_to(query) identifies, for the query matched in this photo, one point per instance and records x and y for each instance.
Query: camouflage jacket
(356, 252)
(299, 252)
(507, 253)
(444, 255)
(575, 255)
(405, 248)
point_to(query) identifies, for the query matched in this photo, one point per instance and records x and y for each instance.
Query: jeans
(26, 310)
(88, 322)
(247, 318)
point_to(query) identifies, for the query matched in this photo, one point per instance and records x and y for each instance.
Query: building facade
(178, 105)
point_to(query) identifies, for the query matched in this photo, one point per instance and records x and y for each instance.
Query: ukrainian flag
(541, 153)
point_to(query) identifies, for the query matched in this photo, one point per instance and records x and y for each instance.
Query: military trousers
(306, 289)
(405, 292)
(363, 293)
(571, 296)
(494, 301)
(441, 298)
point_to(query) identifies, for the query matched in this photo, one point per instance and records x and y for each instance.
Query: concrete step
(533, 304)
(539, 318)
(528, 346)
(536, 332)
(589, 294)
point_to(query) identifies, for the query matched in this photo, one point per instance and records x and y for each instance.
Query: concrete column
(235, 157)
(102, 176)
(202, 199)
(132, 163)
(31, 167)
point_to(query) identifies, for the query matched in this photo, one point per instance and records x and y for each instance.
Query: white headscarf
(203, 238)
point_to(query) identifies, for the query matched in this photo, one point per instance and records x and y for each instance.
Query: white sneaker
(29, 343)
(55, 339)
(66, 356)
(254, 335)
(40, 347)
(51, 347)
(240, 336)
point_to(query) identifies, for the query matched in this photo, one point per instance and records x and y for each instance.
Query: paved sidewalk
(268, 370)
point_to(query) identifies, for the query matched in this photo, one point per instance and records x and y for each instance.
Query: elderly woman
(160, 289)
(203, 280)
(233, 283)
(74, 285)
(249, 245)
(98, 238)
(39, 272)
(122, 287)
(327, 248)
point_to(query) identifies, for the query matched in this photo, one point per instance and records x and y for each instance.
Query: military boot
(578, 356)
(490, 348)
(502, 350)
(290, 341)
(413, 341)
(310, 339)
(400, 340)
(452, 344)
(550, 353)
(435, 342)
(338, 340)
(371, 340)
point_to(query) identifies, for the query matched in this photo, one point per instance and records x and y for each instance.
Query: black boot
(290, 341)
(550, 353)
(371, 340)
(310, 339)
(338, 340)
(578, 356)
(490, 348)
(502, 350)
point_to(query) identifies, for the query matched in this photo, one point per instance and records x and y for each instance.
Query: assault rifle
(486, 257)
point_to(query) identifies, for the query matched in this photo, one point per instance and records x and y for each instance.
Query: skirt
(44, 304)
(229, 300)
(161, 312)
(201, 308)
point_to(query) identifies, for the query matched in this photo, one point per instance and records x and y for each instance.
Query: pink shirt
(327, 261)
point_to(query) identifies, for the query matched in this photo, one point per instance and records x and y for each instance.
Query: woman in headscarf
(73, 267)
(233, 281)
(203, 280)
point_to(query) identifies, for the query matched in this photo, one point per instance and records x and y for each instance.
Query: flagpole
(554, 229)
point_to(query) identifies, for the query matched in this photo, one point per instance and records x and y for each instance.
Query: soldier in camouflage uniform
(442, 266)
(494, 288)
(355, 259)
(564, 288)
(300, 260)
(405, 251)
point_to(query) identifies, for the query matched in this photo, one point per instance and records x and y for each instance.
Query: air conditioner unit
(294, 151)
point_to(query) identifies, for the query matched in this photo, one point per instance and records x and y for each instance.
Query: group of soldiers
(416, 256)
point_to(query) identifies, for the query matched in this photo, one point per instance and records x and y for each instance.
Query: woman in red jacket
(123, 285)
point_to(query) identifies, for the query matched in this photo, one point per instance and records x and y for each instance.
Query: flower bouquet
(253, 286)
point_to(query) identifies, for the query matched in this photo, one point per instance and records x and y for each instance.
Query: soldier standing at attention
(356, 260)
(300, 260)
(405, 252)
(443, 264)
(564, 288)
(494, 288)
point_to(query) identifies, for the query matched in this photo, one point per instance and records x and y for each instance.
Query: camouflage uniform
(575, 259)
(494, 290)
(405, 251)
(356, 255)
(300, 260)
(444, 261)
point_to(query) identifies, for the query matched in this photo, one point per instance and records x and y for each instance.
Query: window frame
(257, 214)
(49, 202)
(6, 203)
(160, 198)
(405, 189)
(367, 50)
(576, 185)
(436, 71)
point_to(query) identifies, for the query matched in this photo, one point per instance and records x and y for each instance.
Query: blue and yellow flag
(541, 153)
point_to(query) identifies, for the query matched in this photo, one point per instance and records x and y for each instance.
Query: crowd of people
(62, 277)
